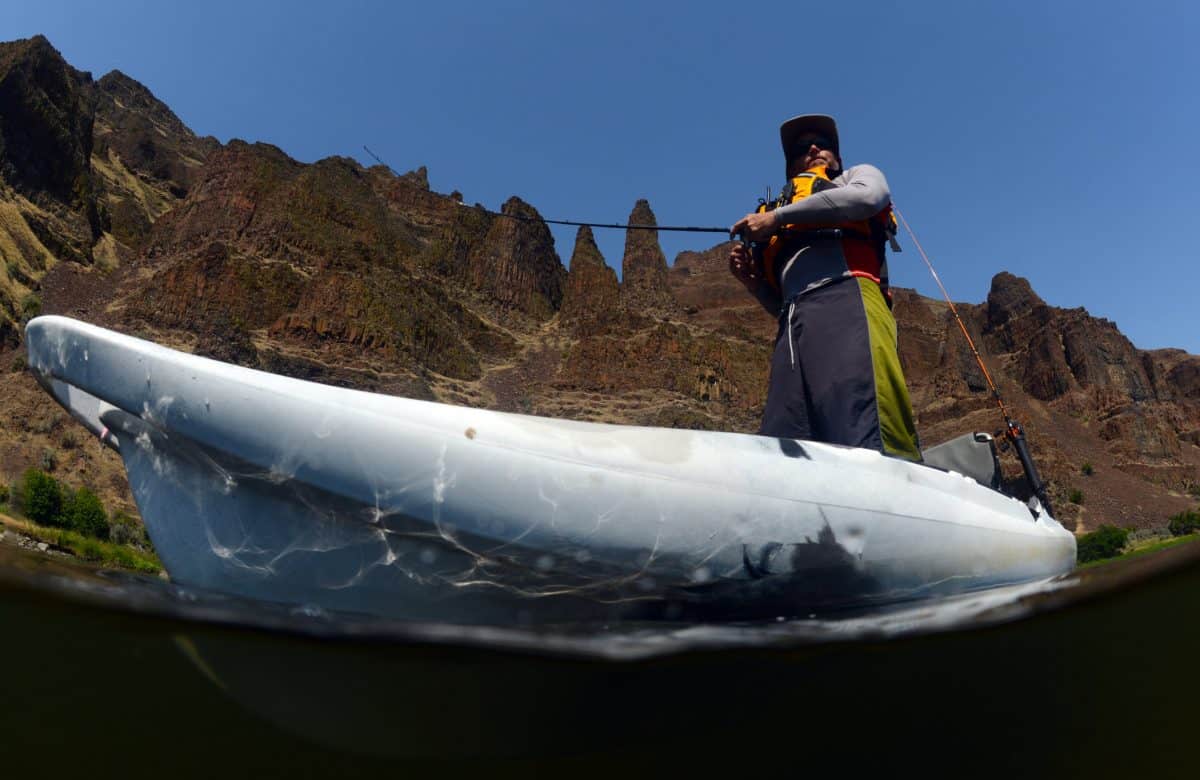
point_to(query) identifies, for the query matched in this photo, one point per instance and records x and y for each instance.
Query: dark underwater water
(112, 674)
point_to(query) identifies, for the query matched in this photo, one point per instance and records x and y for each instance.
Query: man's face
(809, 151)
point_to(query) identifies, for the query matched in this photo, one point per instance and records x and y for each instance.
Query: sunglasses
(804, 142)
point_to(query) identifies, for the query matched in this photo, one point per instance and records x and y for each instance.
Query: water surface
(1092, 673)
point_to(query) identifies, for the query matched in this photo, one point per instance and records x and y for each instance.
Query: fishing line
(954, 311)
(1012, 431)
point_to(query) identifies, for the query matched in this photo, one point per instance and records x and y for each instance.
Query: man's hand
(745, 267)
(755, 227)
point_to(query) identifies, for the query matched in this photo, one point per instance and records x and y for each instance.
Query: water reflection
(1021, 679)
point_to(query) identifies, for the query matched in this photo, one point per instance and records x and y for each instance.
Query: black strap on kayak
(614, 225)
(1013, 432)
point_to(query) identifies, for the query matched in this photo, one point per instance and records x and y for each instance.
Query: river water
(110, 674)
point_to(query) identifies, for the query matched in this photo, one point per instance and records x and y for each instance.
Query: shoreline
(73, 545)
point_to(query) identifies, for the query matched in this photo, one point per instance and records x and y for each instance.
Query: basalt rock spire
(592, 297)
(645, 289)
(516, 264)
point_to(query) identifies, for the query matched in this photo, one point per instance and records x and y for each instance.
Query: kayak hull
(274, 488)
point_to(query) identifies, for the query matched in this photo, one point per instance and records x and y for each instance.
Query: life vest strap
(831, 232)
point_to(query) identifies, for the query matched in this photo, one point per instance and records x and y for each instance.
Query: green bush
(4, 494)
(42, 498)
(126, 530)
(90, 550)
(86, 514)
(1087, 469)
(1107, 541)
(1075, 496)
(1184, 523)
(31, 306)
(16, 497)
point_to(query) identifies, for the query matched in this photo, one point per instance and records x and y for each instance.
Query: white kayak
(275, 488)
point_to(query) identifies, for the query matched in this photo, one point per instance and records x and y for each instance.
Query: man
(818, 262)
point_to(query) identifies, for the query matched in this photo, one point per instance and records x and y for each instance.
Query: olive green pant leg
(897, 427)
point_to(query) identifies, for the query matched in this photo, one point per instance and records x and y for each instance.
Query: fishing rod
(614, 225)
(1013, 430)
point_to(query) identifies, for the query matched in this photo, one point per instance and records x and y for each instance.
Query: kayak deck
(285, 490)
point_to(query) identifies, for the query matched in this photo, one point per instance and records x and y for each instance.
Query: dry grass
(106, 254)
(153, 200)
(15, 239)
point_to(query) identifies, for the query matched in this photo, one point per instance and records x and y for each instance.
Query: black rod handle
(1017, 437)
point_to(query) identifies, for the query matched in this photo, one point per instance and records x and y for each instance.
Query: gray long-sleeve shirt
(861, 193)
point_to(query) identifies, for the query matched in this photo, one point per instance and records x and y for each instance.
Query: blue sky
(1053, 139)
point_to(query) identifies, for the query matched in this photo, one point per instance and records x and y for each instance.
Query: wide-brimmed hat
(821, 124)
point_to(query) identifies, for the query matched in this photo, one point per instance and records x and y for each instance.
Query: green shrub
(31, 306)
(1106, 541)
(49, 460)
(123, 558)
(1184, 523)
(42, 498)
(19, 364)
(86, 514)
(1087, 469)
(16, 497)
(4, 494)
(90, 550)
(124, 529)
(1075, 496)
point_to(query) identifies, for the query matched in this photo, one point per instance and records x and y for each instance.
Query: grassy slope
(85, 547)
(1145, 547)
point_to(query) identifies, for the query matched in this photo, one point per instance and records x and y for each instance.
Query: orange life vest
(863, 241)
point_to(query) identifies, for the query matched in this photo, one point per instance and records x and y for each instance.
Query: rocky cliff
(47, 199)
(145, 160)
(85, 169)
(112, 210)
